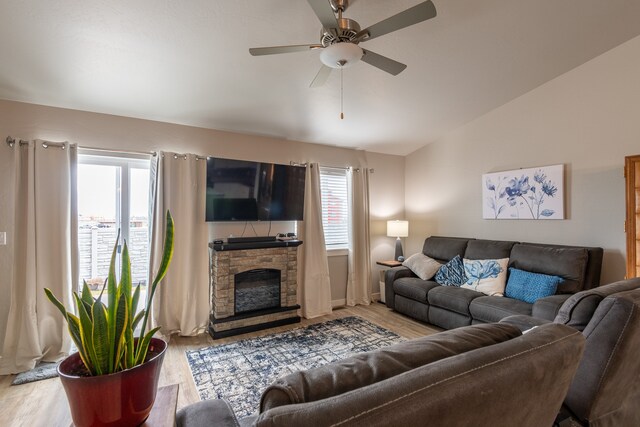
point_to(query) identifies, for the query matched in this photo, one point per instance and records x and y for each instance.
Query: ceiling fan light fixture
(341, 55)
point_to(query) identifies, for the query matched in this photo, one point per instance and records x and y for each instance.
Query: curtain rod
(292, 163)
(184, 156)
(12, 141)
(109, 150)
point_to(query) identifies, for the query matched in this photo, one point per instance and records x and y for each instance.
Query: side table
(163, 413)
(386, 265)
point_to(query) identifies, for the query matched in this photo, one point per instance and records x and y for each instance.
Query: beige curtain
(45, 254)
(313, 267)
(359, 277)
(181, 303)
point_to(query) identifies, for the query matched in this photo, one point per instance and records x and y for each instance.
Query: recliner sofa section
(451, 307)
(605, 390)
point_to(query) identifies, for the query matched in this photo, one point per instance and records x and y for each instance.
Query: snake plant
(104, 334)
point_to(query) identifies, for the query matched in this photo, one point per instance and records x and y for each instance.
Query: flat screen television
(240, 190)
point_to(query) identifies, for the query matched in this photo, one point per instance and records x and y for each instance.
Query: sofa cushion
(413, 288)
(452, 273)
(494, 309)
(488, 276)
(594, 263)
(444, 248)
(368, 368)
(568, 263)
(548, 307)
(530, 287)
(488, 249)
(452, 298)
(422, 266)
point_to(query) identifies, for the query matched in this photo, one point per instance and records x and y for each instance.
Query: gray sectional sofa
(450, 307)
(481, 375)
(476, 375)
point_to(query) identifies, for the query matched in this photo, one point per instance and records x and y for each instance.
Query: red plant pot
(121, 399)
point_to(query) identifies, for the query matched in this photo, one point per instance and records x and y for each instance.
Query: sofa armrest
(215, 412)
(524, 322)
(391, 276)
(547, 308)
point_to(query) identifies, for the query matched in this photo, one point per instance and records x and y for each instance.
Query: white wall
(588, 119)
(28, 121)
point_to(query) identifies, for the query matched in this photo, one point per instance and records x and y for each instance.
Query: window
(335, 207)
(113, 193)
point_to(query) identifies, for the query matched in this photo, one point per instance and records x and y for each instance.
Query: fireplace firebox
(257, 289)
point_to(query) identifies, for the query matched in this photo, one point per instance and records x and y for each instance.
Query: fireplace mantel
(254, 245)
(229, 259)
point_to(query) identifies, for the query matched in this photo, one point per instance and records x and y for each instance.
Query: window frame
(126, 162)
(341, 247)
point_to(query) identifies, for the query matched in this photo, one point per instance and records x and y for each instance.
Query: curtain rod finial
(10, 141)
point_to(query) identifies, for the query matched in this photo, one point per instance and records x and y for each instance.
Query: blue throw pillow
(529, 287)
(452, 273)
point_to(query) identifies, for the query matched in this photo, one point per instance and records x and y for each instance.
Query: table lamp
(398, 229)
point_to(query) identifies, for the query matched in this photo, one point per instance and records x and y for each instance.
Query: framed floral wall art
(535, 193)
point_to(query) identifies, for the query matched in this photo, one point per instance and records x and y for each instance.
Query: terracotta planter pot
(121, 399)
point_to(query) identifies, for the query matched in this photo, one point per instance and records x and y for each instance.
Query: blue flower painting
(535, 193)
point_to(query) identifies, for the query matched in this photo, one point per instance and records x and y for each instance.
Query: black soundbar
(253, 239)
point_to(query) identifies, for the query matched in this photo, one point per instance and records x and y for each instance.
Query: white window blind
(335, 209)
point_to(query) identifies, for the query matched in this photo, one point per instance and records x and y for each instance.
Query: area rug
(240, 371)
(43, 371)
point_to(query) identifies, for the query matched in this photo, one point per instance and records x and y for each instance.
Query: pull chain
(341, 96)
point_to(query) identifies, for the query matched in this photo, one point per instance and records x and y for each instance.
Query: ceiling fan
(339, 38)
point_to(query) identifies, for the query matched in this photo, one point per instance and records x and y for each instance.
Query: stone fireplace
(253, 286)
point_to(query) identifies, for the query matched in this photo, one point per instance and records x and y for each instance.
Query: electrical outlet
(3, 238)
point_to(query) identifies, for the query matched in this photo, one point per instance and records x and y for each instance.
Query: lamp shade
(397, 228)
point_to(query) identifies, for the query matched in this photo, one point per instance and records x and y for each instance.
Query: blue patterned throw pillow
(529, 287)
(452, 273)
(488, 276)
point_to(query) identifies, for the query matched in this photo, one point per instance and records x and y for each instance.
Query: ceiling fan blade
(413, 15)
(382, 62)
(324, 12)
(321, 77)
(272, 50)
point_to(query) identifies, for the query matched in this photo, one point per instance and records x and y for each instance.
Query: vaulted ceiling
(187, 62)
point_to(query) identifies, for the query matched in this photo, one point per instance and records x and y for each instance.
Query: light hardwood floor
(43, 403)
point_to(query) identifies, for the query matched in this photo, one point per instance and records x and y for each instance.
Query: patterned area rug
(240, 371)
